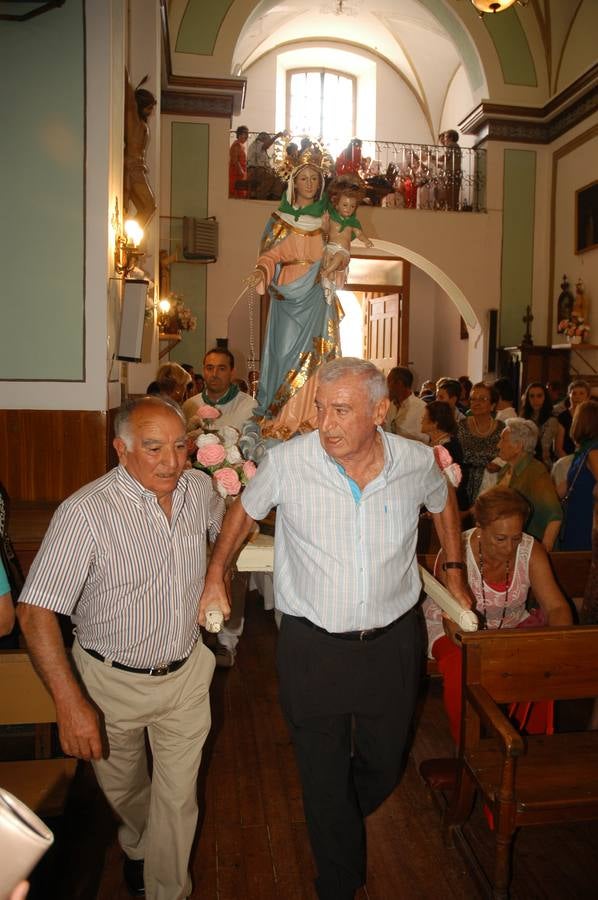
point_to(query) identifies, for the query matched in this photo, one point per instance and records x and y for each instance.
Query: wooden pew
(42, 784)
(532, 780)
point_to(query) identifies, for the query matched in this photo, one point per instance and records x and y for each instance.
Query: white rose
(233, 456)
(228, 435)
(204, 439)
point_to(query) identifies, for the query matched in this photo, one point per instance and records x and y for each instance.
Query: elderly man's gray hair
(122, 420)
(524, 432)
(374, 380)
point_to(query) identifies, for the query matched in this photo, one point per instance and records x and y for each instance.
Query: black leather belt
(155, 670)
(366, 634)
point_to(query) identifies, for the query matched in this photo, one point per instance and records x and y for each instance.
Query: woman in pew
(530, 477)
(502, 563)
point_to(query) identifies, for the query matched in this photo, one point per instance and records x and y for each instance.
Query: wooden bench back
(23, 696)
(571, 569)
(533, 663)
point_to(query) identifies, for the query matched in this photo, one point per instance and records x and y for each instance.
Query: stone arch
(475, 358)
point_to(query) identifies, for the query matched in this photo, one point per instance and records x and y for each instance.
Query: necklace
(482, 433)
(483, 616)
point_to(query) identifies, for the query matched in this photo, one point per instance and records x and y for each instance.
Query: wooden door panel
(382, 331)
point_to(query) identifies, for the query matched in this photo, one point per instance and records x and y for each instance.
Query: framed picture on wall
(586, 218)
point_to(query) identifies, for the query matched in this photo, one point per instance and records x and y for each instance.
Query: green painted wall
(42, 196)
(512, 47)
(200, 26)
(517, 243)
(189, 197)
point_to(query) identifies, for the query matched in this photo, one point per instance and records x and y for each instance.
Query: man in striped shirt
(348, 498)
(125, 556)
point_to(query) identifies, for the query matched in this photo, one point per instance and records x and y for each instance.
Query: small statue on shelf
(580, 307)
(565, 301)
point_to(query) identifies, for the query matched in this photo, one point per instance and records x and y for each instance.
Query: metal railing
(399, 175)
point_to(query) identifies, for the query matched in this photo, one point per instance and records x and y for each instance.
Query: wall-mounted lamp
(163, 314)
(494, 6)
(126, 251)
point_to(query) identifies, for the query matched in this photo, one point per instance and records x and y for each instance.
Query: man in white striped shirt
(125, 556)
(348, 499)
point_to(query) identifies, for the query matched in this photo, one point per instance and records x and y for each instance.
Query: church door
(386, 328)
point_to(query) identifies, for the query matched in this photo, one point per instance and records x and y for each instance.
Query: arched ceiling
(421, 39)
(522, 56)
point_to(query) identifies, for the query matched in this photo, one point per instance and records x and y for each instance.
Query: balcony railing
(404, 176)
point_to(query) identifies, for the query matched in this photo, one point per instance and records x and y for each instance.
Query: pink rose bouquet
(205, 411)
(451, 470)
(218, 455)
(211, 455)
(227, 482)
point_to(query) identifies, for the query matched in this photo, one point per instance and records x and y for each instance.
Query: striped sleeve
(62, 565)
(216, 510)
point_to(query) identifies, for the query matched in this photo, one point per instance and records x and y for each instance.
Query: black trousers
(349, 706)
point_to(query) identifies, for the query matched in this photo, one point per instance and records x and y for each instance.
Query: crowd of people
(426, 177)
(543, 444)
(349, 650)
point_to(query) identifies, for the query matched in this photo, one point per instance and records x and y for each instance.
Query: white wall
(399, 115)
(435, 346)
(458, 104)
(386, 107)
(450, 349)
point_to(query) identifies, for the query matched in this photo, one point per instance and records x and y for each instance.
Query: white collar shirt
(345, 565)
(406, 420)
(235, 413)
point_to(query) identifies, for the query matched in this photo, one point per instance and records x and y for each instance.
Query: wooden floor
(253, 841)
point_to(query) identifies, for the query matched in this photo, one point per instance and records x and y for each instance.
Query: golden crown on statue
(291, 152)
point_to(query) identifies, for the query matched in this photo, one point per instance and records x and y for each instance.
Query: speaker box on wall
(492, 339)
(132, 317)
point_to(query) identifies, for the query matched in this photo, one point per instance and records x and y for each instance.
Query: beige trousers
(159, 815)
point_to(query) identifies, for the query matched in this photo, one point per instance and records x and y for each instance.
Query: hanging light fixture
(494, 6)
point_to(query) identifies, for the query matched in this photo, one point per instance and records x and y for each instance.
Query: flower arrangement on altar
(174, 316)
(573, 327)
(218, 454)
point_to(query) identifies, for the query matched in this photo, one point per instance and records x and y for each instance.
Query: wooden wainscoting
(45, 455)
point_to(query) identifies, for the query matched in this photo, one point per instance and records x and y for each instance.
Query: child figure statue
(344, 194)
